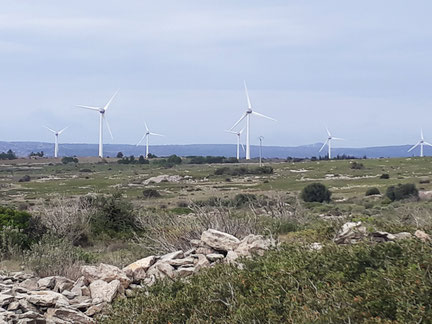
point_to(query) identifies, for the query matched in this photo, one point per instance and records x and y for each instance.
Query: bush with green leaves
(402, 191)
(113, 216)
(151, 193)
(316, 192)
(385, 176)
(237, 171)
(69, 159)
(372, 191)
(381, 283)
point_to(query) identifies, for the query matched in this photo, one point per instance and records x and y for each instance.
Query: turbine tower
(247, 115)
(56, 135)
(422, 142)
(328, 142)
(238, 134)
(102, 111)
(146, 136)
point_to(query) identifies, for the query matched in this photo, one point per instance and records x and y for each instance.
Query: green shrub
(357, 165)
(372, 191)
(385, 176)
(174, 159)
(114, 216)
(316, 192)
(237, 171)
(402, 191)
(381, 283)
(151, 193)
(69, 159)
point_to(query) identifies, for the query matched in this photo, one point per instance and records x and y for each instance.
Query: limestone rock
(201, 262)
(184, 272)
(422, 236)
(402, 236)
(46, 283)
(253, 244)
(231, 257)
(160, 270)
(5, 299)
(382, 237)
(95, 309)
(62, 283)
(172, 256)
(106, 273)
(68, 314)
(29, 284)
(351, 233)
(46, 298)
(220, 240)
(104, 291)
(181, 262)
(137, 270)
(215, 257)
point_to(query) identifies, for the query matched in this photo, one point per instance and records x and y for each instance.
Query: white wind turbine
(247, 115)
(146, 136)
(56, 135)
(238, 134)
(328, 142)
(422, 142)
(102, 111)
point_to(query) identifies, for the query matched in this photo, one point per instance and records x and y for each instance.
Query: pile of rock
(25, 298)
(354, 232)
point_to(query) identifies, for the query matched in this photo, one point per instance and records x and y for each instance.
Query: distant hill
(24, 149)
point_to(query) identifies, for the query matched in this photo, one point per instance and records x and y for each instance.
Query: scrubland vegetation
(117, 213)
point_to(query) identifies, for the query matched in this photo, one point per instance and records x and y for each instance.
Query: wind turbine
(238, 140)
(146, 136)
(56, 135)
(102, 111)
(328, 142)
(247, 115)
(422, 142)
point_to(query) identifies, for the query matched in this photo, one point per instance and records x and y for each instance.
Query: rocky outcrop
(25, 298)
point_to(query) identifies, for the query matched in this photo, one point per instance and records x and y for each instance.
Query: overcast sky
(362, 68)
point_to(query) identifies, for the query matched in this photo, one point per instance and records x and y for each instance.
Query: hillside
(24, 148)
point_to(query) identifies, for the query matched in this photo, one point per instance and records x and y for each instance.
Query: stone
(46, 283)
(205, 250)
(69, 295)
(181, 262)
(184, 272)
(231, 257)
(173, 255)
(68, 314)
(137, 270)
(219, 240)
(46, 298)
(422, 236)
(106, 273)
(425, 195)
(160, 270)
(62, 283)
(351, 233)
(201, 261)
(26, 306)
(104, 291)
(5, 299)
(253, 244)
(316, 246)
(213, 257)
(13, 306)
(402, 236)
(30, 284)
(382, 237)
(95, 309)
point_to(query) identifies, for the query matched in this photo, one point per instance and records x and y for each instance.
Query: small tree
(316, 192)
(372, 191)
(142, 160)
(119, 155)
(402, 191)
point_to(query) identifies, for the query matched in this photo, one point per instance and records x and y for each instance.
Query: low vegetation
(316, 192)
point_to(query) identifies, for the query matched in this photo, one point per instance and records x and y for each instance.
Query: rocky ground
(25, 298)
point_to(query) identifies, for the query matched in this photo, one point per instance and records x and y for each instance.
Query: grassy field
(50, 179)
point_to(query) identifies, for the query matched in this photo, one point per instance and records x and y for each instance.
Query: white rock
(220, 240)
(104, 291)
(422, 236)
(402, 236)
(253, 244)
(68, 314)
(5, 299)
(201, 262)
(184, 272)
(46, 283)
(160, 270)
(215, 257)
(231, 257)
(181, 262)
(137, 270)
(106, 273)
(46, 298)
(351, 233)
(173, 255)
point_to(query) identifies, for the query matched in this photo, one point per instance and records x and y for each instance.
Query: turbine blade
(325, 143)
(427, 143)
(230, 131)
(241, 130)
(338, 138)
(88, 107)
(156, 134)
(142, 139)
(147, 129)
(243, 147)
(412, 148)
(421, 133)
(328, 132)
(52, 130)
(109, 102)
(247, 95)
(261, 115)
(63, 130)
(242, 117)
(109, 128)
